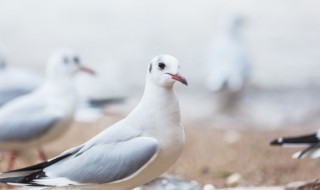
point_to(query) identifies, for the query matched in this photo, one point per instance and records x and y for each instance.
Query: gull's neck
(158, 95)
(60, 91)
(157, 103)
(60, 83)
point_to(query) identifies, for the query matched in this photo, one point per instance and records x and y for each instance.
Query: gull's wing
(304, 140)
(105, 163)
(310, 141)
(23, 120)
(15, 83)
(101, 163)
(100, 103)
(7, 95)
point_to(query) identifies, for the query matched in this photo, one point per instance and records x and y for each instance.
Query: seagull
(131, 152)
(311, 142)
(228, 63)
(44, 114)
(15, 82)
(228, 59)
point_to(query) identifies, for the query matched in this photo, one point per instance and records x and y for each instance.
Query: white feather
(57, 182)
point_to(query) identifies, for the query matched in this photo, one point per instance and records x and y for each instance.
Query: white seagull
(44, 114)
(228, 64)
(15, 82)
(129, 153)
(311, 142)
(228, 60)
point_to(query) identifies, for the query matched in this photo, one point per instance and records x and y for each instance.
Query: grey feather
(15, 83)
(104, 163)
(25, 123)
(10, 94)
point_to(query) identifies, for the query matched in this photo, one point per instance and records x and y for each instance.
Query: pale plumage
(228, 62)
(44, 114)
(228, 65)
(127, 154)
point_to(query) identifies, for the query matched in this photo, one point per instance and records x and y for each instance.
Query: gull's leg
(2, 155)
(12, 159)
(42, 154)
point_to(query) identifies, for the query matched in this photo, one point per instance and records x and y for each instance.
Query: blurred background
(119, 38)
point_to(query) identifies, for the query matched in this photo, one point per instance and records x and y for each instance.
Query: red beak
(179, 78)
(87, 70)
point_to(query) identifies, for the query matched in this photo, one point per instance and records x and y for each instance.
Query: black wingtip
(27, 175)
(277, 142)
(25, 180)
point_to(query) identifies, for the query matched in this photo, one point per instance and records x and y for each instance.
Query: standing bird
(129, 153)
(228, 64)
(311, 143)
(15, 82)
(46, 113)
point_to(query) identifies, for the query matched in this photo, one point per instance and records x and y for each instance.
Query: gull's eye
(161, 65)
(76, 60)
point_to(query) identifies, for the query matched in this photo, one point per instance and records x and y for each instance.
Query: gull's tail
(312, 151)
(28, 176)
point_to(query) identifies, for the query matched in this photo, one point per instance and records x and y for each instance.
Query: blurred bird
(311, 142)
(129, 153)
(44, 114)
(228, 63)
(15, 82)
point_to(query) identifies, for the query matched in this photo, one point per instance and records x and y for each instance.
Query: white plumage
(44, 114)
(129, 153)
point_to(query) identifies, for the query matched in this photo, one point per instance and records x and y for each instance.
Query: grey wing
(27, 123)
(104, 163)
(6, 96)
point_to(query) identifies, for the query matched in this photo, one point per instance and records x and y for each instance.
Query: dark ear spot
(150, 68)
(76, 60)
(65, 60)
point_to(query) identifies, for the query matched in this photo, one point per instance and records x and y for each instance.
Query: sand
(210, 155)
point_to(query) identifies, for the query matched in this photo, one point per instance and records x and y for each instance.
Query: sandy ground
(210, 154)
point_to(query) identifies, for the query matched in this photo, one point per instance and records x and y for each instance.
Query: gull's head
(66, 63)
(234, 23)
(164, 71)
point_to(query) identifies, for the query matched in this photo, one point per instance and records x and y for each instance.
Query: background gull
(15, 82)
(311, 142)
(128, 154)
(228, 63)
(44, 114)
